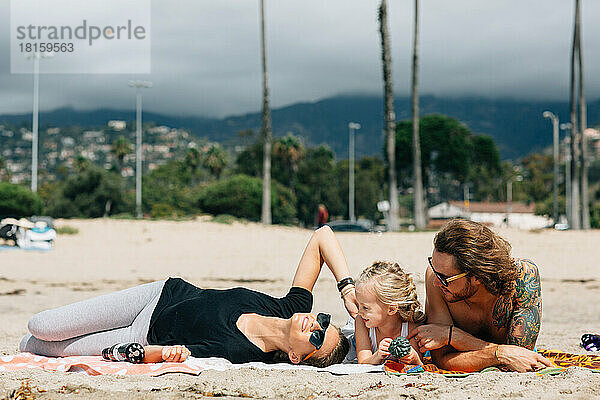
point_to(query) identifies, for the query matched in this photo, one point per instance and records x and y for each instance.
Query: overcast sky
(206, 54)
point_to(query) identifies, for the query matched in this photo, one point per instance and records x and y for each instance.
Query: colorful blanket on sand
(561, 360)
(92, 365)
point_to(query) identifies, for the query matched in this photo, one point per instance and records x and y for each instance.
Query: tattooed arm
(520, 314)
(525, 320)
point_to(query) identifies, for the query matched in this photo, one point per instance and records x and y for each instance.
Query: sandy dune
(109, 255)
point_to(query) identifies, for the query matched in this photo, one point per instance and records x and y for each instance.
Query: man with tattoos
(483, 307)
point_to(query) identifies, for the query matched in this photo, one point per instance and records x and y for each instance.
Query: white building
(117, 125)
(519, 216)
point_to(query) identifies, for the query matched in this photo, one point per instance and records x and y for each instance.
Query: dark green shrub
(91, 193)
(18, 201)
(241, 196)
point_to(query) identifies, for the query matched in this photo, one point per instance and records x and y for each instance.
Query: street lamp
(352, 126)
(509, 183)
(554, 118)
(34, 124)
(566, 127)
(138, 85)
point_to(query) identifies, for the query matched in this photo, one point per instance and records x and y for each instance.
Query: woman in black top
(174, 319)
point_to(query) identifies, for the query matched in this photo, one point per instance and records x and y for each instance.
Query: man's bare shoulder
(528, 286)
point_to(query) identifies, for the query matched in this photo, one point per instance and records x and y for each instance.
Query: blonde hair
(393, 286)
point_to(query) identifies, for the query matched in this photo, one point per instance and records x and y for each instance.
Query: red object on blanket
(92, 365)
(560, 359)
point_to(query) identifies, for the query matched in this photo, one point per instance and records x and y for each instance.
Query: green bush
(226, 219)
(595, 215)
(18, 201)
(241, 196)
(89, 194)
(163, 210)
(170, 184)
(67, 230)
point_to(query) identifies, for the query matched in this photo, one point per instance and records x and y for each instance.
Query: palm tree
(575, 218)
(419, 206)
(215, 160)
(290, 150)
(192, 161)
(585, 201)
(266, 128)
(389, 116)
(120, 148)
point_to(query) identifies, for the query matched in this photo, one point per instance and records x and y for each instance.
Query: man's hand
(176, 353)
(519, 359)
(430, 336)
(351, 303)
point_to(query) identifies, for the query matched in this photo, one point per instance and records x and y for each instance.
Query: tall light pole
(138, 85)
(554, 118)
(34, 124)
(352, 126)
(509, 196)
(566, 127)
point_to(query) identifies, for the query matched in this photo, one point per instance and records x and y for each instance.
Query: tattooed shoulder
(528, 287)
(525, 320)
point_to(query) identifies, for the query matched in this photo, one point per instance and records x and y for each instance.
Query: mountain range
(517, 126)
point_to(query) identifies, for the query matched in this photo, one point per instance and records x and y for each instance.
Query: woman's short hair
(479, 252)
(393, 286)
(336, 356)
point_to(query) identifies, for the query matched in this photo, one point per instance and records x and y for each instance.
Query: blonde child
(388, 308)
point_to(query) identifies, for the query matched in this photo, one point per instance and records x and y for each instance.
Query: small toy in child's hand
(590, 342)
(131, 352)
(399, 347)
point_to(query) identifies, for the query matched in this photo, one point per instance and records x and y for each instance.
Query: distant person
(323, 216)
(174, 319)
(483, 306)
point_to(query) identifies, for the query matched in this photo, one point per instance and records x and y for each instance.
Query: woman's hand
(351, 303)
(176, 353)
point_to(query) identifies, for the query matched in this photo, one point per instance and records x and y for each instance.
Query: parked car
(351, 226)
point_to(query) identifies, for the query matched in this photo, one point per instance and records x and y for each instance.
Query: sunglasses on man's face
(445, 280)
(317, 337)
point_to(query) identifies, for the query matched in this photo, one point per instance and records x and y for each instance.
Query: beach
(108, 255)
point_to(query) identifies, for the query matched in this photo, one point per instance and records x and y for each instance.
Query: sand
(108, 255)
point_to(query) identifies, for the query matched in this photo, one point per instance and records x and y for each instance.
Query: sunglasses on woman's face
(445, 280)
(317, 337)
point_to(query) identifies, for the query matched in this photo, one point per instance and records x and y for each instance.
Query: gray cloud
(205, 54)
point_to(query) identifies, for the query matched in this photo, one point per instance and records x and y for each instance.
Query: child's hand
(382, 350)
(176, 353)
(411, 358)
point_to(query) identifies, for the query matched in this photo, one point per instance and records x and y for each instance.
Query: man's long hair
(479, 252)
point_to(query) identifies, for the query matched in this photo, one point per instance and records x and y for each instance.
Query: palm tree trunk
(266, 128)
(575, 220)
(390, 117)
(419, 203)
(583, 183)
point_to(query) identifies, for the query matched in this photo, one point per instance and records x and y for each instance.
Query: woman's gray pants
(88, 326)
